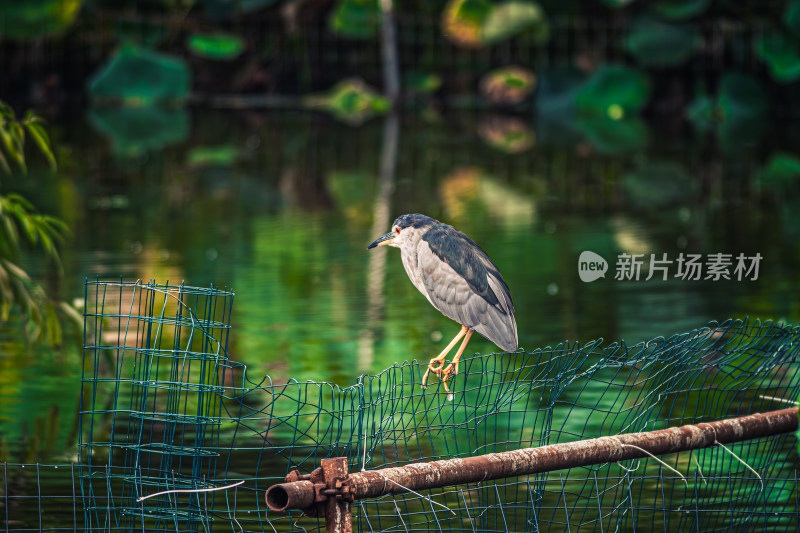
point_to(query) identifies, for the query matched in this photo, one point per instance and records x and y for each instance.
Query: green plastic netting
(164, 408)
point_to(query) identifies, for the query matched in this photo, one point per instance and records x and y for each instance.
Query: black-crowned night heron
(458, 279)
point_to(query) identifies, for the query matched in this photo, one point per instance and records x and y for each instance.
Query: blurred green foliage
(513, 17)
(508, 85)
(137, 131)
(780, 52)
(661, 43)
(478, 23)
(738, 112)
(656, 44)
(138, 97)
(13, 135)
(613, 136)
(138, 77)
(791, 16)
(424, 83)
(22, 228)
(679, 9)
(36, 19)
(223, 156)
(216, 45)
(226, 9)
(781, 172)
(350, 100)
(614, 91)
(357, 19)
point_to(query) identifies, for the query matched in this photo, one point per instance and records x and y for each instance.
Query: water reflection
(280, 206)
(377, 261)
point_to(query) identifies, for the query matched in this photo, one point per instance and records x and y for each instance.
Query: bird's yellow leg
(452, 368)
(435, 365)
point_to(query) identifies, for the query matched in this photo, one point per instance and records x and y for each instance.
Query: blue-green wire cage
(154, 367)
(165, 411)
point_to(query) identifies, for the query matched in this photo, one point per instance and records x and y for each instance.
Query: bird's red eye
(396, 229)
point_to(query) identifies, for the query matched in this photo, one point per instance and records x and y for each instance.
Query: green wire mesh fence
(165, 409)
(154, 364)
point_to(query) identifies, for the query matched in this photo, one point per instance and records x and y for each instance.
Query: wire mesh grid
(164, 408)
(154, 364)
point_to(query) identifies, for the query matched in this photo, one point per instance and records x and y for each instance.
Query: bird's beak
(382, 241)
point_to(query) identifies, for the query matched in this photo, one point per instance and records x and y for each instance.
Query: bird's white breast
(410, 257)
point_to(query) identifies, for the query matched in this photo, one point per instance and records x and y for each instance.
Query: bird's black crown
(413, 220)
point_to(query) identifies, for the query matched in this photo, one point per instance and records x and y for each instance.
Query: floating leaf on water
(738, 112)
(215, 45)
(357, 19)
(137, 131)
(657, 44)
(476, 23)
(422, 83)
(29, 20)
(139, 77)
(462, 21)
(468, 189)
(679, 9)
(513, 17)
(740, 98)
(780, 53)
(614, 91)
(508, 134)
(352, 101)
(781, 170)
(219, 156)
(612, 136)
(508, 85)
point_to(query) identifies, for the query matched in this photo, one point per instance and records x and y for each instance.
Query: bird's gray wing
(463, 283)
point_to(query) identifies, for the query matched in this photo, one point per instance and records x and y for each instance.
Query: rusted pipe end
(295, 495)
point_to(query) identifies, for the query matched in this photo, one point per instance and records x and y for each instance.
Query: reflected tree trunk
(391, 68)
(377, 258)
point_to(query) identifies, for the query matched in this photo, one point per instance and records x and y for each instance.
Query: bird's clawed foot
(450, 371)
(436, 365)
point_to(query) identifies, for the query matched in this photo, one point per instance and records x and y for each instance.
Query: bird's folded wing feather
(461, 280)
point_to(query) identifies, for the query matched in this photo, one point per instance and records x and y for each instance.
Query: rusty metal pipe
(422, 476)
(295, 495)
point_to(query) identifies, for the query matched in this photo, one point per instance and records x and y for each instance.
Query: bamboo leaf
(18, 134)
(10, 146)
(16, 271)
(11, 233)
(40, 137)
(28, 224)
(56, 225)
(4, 163)
(5, 286)
(21, 200)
